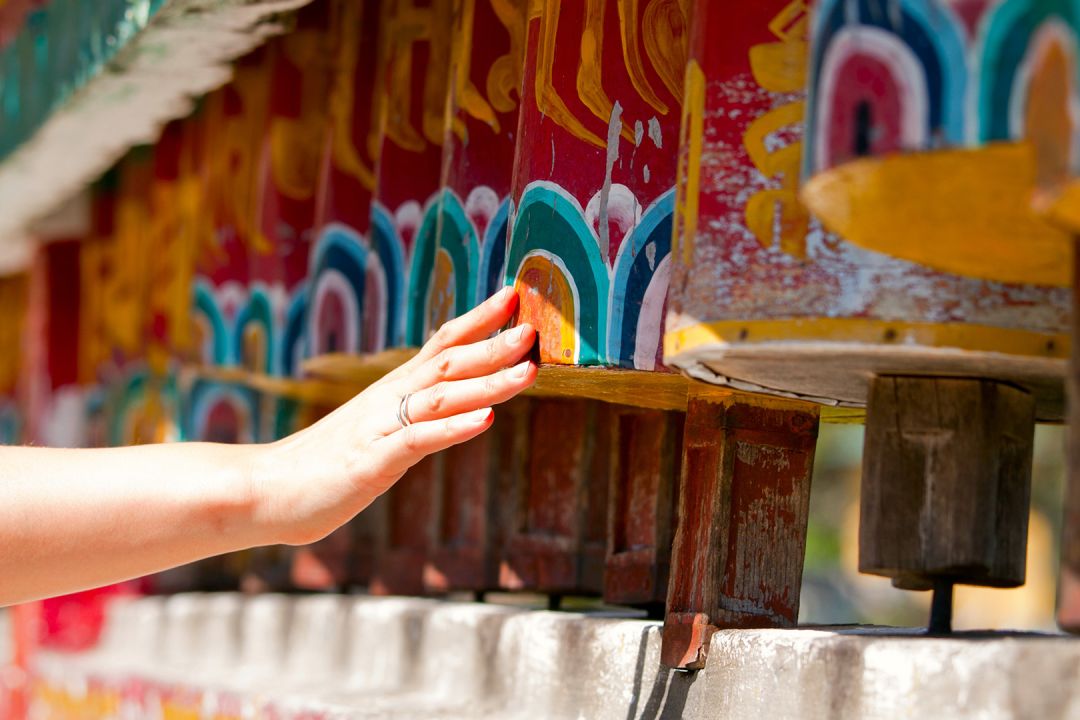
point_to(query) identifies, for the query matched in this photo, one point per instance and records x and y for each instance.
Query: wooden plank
(946, 482)
(475, 512)
(646, 457)
(410, 516)
(544, 552)
(743, 501)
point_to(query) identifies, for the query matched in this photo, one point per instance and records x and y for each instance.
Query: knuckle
(491, 385)
(411, 439)
(443, 362)
(437, 397)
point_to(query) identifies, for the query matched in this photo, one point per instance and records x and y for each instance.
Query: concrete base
(329, 656)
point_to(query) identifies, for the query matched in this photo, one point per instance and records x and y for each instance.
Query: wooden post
(410, 515)
(946, 482)
(550, 549)
(744, 496)
(646, 456)
(473, 519)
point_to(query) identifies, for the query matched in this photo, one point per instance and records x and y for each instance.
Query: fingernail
(517, 334)
(521, 369)
(476, 417)
(505, 292)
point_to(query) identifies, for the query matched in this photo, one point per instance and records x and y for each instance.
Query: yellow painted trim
(967, 212)
(955, 336)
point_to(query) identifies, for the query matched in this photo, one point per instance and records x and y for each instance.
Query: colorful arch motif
(255, 339)
(293, 341)
(491, 276)
(932, 34)
(335, 317)
(636, 321)
(550, 223)
(1004, 60)
(220, 412)
(10, 423)
(389, 250)
(445, 229)
(216, 346)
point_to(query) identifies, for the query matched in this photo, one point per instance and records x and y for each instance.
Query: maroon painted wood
(744, 496)
(550, 548)
(474, 514)
(410, 514)
(646, 458)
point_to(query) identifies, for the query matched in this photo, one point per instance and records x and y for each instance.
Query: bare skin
(75, 519)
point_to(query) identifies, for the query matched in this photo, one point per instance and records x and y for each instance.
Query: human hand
(308, 484)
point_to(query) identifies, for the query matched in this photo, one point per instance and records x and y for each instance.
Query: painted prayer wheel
(764, 298)
(457, 263)
(409, 106)
(292, 140)
(343, 307)
(13, 299)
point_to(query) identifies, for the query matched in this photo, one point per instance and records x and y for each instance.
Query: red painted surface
(641, 510)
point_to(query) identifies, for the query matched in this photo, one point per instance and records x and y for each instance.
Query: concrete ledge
(330, 656)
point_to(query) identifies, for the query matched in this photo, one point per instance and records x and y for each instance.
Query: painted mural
(593, 197)
(942, 120)
(754, 268)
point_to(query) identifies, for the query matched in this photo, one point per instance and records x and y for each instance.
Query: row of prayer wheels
(802, 207)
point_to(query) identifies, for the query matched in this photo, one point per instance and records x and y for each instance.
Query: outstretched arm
(74, 519)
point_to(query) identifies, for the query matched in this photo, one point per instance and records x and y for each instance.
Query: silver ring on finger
(403, 411)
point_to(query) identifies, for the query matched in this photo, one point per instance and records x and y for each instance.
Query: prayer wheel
(406, 135)
(342, 310)
(914, 300)
(13, 300)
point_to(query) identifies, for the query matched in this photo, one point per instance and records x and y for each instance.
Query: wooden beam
(744, 495)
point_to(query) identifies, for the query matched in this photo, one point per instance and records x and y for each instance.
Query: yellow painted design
(441, 306)
(688, 182)
(13, 304)
(959, 336)
(1048, 124)
(1063, 209)
(296, 143)
(665, 33)
(547, 302)
(547, 98)
(779, 67)
(960, 211)
(126, 291)
(632, 44)
(402, 26)
(94, 259)
(347, 157)
(504, 77)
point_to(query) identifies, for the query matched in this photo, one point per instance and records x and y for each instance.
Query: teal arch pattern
(634, 269)
(391, 253)
(1005, 43)
(257, 310)
(206, 305)
(446, 227)
(493, 254)
(549, 220)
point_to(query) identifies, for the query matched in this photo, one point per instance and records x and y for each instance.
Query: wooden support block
(946, 481)
(474, 516)
(410, 517)
(563, 489)
(744, 494)
(646, 456)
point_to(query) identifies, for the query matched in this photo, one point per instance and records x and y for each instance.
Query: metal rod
(941, 608)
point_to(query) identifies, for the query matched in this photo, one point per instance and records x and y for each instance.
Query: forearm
(74, 519)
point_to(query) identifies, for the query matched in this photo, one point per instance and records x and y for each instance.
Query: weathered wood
(410, 515)
(946, 481)
(475, 512)
(548, 543)
(744, 494)
(646, 457)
